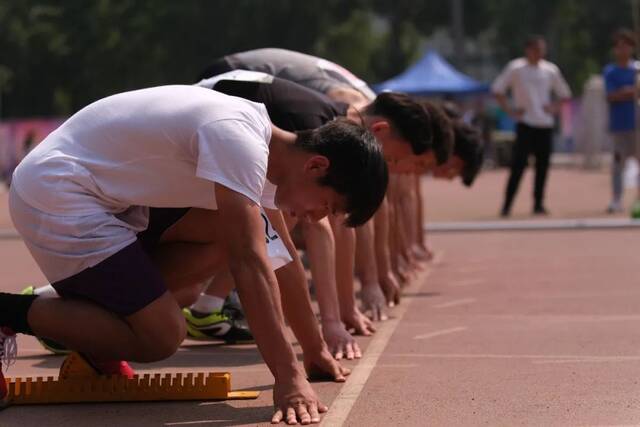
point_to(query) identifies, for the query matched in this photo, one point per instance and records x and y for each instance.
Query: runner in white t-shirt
(201, 159)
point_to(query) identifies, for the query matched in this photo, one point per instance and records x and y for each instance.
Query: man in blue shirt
(620, 82)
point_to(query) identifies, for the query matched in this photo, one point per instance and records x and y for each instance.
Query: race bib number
(276, 250)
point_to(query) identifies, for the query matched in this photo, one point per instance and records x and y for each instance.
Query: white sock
(46, 291)
(207, 304)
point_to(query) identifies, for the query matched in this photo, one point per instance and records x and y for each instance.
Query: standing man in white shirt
(532, 81)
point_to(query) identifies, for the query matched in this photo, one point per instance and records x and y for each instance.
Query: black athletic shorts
(127, 281)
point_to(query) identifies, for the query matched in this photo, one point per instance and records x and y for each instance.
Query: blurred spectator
(532, 81)
(620, 84)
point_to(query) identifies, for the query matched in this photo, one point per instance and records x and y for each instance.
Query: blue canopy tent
(432, 76)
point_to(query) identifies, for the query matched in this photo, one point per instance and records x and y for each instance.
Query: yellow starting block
(78, 383)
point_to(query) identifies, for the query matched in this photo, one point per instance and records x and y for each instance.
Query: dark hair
(470, 148)
(624, 35)
(407, 117)
(468, 144)
(357, 169)
(442, 131)
(533, 39)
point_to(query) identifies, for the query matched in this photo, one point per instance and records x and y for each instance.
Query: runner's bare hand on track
(340, 342)
(295, 401)
(373, 301)
(358, 322)
(320, 365)
(391, 289)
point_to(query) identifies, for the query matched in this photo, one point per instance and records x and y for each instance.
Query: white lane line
(551, 357)
(524, 225)
(439, 333)
(559, 317)
(613, 425)
(590, 360)
(343, 403)
(584, 295)
(455, 303)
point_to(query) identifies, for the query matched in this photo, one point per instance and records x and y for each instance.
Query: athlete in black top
(290, 106)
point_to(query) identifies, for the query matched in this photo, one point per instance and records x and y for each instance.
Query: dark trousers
(529, 140)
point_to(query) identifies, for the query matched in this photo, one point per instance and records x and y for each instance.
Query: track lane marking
(455, 303)
(439, 333)
(348, 395)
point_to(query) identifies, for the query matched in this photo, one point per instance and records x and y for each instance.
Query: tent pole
(457, 24)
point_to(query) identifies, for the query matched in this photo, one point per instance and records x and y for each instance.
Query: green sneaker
(635, 210)
(215, 326)
(48, 344)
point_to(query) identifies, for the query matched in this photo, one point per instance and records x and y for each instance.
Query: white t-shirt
(532, 86)
(237, 75)
(84, 192)
(157, 147)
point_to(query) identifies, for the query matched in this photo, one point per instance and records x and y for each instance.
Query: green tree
(57, 56)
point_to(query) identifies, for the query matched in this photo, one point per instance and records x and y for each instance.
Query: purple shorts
(127, 281)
